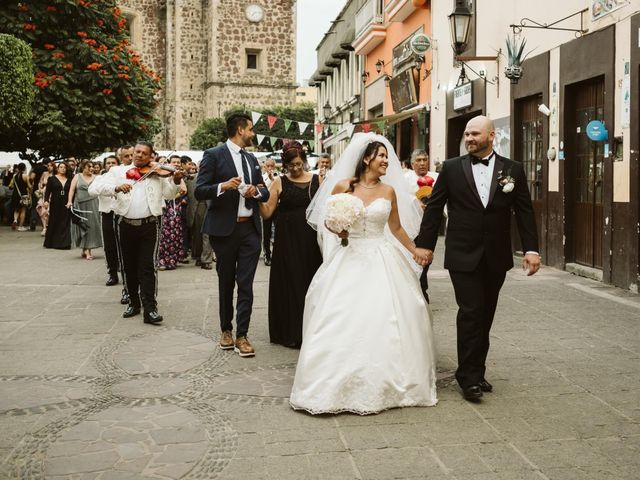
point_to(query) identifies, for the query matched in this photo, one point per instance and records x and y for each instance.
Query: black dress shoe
(198, 262)
(267, 262)
(485, 386)
(206, 266)
(125, 298)
(131, 311)
(152, 317)
(111, 281)
(472, 392)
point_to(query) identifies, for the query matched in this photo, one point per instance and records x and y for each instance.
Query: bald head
(479, 135)
(482, 122)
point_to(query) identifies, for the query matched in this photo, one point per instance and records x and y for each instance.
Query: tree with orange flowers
(92, 91)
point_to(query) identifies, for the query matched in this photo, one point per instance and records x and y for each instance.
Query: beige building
(306, 94)
(584, 187)
(214, 54)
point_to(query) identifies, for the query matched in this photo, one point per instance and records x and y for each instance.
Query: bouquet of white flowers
(343, 210)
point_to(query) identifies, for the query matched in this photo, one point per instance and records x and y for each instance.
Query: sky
(314, 19)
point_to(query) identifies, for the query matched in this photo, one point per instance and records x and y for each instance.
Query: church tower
(214, 54)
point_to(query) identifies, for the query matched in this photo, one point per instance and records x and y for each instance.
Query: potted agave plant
(515, 51)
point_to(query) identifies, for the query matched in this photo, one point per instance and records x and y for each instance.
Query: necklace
(367, 186)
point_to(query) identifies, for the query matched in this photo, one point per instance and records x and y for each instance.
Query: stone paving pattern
(86, 394)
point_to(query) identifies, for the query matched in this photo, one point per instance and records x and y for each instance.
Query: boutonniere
(506, 181)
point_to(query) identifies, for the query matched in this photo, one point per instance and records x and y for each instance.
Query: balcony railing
(370, 12)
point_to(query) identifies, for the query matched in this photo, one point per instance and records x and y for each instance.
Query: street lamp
(327, 109)
(459, 24)
(379, 65)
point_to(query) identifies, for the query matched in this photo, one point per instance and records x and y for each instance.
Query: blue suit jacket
(217, 167)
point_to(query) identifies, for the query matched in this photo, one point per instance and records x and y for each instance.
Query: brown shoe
(226, 340)
(244, 348)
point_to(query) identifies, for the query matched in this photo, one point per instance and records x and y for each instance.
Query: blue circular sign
(596, 131)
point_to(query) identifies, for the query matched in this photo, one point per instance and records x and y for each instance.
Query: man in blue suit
(231, 180)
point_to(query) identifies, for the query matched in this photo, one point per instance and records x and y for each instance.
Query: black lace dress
(296, 257)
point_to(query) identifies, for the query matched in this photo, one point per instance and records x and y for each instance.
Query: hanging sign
(596, 131)
(463, 96)
(420, 44)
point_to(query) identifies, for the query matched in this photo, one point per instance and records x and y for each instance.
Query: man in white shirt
(230, 179)
(139, 199)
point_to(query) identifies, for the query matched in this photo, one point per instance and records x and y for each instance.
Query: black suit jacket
(217, 167)
(472, 230)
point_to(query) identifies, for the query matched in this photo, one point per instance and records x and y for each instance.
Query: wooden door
(585, 171)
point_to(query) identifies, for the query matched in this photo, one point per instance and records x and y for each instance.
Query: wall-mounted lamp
(387, 80)
(365, 76)
(459, 24)
(326, 110)
(418, 60)
(379, 65)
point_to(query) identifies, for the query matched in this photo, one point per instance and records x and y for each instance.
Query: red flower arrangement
(94, 66)
(49, 46)
(123, 75)
(29, 26)
(107, 91)
(57, 55)
(68, 66)
(82, 34)
(91, 42)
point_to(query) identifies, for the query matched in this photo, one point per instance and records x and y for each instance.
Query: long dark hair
(371, 152)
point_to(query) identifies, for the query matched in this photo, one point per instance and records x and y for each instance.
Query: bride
(367, 336)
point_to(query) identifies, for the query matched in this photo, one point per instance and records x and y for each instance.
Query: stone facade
(212, 57)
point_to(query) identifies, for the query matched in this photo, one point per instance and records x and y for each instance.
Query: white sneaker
(23, 229)
(43, 232)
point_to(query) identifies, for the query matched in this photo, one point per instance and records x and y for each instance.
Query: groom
(231, 180)
(480, 190)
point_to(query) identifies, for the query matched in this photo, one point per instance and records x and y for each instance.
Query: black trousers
(110, 244)
(477, 297)
(139, 247)
(424, 282)
(267, 230)
(238, 256)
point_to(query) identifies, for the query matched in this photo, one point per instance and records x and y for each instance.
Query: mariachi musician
(140, 190)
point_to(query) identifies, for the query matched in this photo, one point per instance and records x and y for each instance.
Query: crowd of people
(359, 315)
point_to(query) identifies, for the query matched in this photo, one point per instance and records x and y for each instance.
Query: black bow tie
(484, 161)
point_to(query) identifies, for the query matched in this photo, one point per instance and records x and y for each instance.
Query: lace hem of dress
(361, 412)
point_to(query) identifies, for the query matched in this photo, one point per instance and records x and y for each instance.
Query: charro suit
(236, 242)
(477, 248)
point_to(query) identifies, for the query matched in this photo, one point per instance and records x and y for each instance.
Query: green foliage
(515, 51)
(208, 134)
(212, 131)
(16, 79)
(92, 90)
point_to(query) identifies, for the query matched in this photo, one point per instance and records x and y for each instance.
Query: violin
(160, 169)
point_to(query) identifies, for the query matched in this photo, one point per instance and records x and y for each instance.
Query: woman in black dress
(21, 191)
(296, 255)
(56, 195)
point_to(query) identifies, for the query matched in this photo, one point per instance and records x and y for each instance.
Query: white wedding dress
(367, 341)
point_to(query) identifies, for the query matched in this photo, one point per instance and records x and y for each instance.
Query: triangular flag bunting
(271, 120)
(273, 141)
(381, 126)
(287, 124)
(260, 138)
(255, 116)
(366, 127)
(350, 129)
(312, 145)
(302, 126)
(318, 128)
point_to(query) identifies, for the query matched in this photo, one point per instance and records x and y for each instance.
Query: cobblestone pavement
(86, 394)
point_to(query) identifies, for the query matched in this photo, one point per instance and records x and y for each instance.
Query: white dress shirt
(482, 175)
(243, 211)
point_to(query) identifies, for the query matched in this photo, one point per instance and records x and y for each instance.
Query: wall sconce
(326, 110)
(387, 80)
(417, 62)
(365, 76)
(459, 24)
(379, 65)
